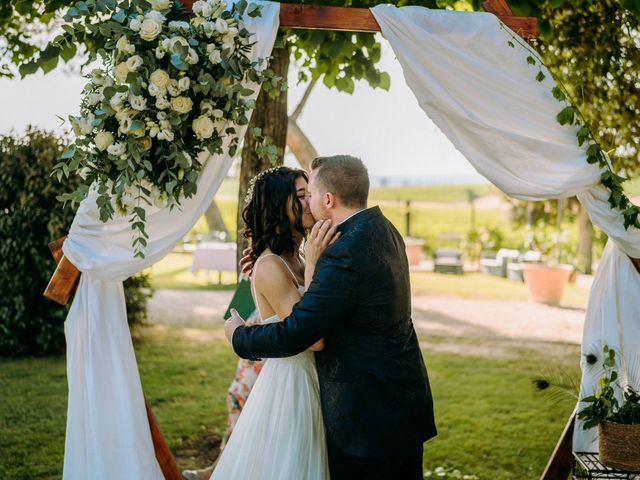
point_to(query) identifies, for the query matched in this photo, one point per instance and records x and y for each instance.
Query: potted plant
(546, 280)
(618, 422)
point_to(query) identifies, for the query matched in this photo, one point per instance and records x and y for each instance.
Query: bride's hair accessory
(252, 183)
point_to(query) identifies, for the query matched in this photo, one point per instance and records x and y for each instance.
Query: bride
(280, 433)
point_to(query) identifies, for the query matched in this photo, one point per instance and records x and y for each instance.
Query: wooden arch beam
(355, 19)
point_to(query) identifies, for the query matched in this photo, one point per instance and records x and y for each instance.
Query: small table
(588, 466)
(214, 256)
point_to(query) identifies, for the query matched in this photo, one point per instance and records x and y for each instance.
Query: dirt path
(432, 315)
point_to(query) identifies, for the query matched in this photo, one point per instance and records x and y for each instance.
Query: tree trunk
(300, 145)
(585, 241)
(270, 115)
(214, 219)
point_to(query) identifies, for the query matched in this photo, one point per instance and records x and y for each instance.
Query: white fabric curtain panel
(484, 95)
(108, 435)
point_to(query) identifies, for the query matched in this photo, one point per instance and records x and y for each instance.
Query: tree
(581, 39)
(591, 46)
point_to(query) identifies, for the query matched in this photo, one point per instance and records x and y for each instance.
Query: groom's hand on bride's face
(232, 323)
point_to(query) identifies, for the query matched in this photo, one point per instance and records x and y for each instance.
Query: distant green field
(422, 193)
(433, 193)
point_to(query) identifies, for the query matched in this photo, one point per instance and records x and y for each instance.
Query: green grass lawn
(490, 420)
(486, 287)
(172, 272)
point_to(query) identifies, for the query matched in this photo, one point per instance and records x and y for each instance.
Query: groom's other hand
(230, 325)
(246, 262)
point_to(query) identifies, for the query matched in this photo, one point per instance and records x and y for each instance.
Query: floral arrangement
(604, 405)
(172, 85)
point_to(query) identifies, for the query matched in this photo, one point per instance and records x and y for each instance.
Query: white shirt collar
(353, 214)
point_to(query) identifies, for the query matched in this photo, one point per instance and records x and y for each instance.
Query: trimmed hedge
(31, 217)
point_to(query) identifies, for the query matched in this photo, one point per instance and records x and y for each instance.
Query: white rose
(134, 62)
(85, 124)
(150, 28)
(138, 102)
(162, 116)
(160, 4)
(198, 6)
(207, 10)
(162, 103)
(160, 78)
(159, 53)
(192, 57)
(121, 72)
(209, 28)
(221, 25)
(135, 24)
(103, 140)
(173, 89)
(122, 43)
(202, 127)
(184, 83)
(155, 15)
(117, 100)
(215, 57)
(179, 26)
(94, 98)
(217, 113)
(154, 90)
(181, 104)
(116, 149)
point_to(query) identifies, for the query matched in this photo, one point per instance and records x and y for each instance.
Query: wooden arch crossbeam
(65, 278)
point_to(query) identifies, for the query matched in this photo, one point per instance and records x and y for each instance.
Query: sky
(388, 130)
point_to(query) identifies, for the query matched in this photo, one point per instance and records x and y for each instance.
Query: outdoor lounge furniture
(447, 260)
(498, 266)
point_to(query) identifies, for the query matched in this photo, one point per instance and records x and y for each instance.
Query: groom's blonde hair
(344, 176)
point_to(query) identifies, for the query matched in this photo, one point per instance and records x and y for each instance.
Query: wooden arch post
(65, 278)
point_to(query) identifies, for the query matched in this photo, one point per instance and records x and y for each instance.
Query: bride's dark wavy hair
(267, 224)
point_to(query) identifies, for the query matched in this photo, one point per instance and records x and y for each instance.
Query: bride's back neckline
(255, 295)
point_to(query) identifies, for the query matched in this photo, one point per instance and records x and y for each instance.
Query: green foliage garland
(571, 115)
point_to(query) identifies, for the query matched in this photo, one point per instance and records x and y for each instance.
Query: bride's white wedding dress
(280, 432)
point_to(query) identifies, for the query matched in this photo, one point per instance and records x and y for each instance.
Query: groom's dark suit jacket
(374, 389)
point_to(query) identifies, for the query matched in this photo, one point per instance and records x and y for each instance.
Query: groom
(374, 389)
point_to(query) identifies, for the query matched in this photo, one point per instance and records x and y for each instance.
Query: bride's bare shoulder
(270, 269)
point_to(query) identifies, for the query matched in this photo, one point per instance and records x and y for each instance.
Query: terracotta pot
(413, 246)
(545, 283)
(619, 446)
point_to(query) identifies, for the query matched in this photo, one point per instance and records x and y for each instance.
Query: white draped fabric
(484, 96)
(108, 435)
